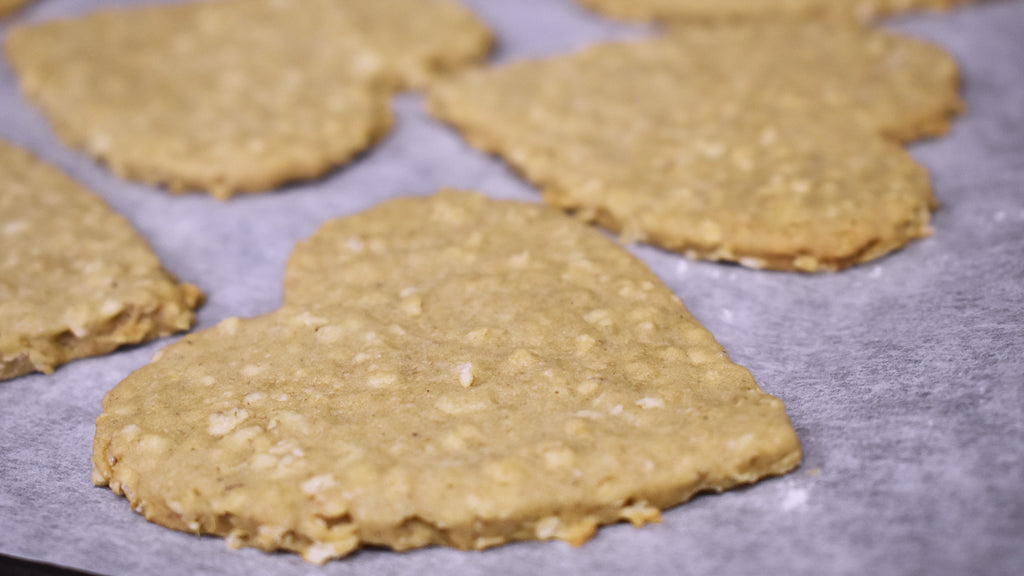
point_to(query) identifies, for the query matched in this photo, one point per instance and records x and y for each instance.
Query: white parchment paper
(903, 377)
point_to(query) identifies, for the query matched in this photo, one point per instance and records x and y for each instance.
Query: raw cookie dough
(711, 10)
(769, 145)
(450, 370)
(8, 7)
(75, 279)
(237, 95)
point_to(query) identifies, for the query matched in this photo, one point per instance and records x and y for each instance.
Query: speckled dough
(75, 278)
(8, 7)
(770, 145)
(236, 95)
(452, 370)
(705, 10)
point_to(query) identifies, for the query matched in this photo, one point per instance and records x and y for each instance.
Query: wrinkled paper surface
(903, 377)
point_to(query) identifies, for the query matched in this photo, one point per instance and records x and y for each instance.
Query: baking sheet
(903, 377)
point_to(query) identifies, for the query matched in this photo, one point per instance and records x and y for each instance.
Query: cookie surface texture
(453, 371)
(771, 145)
(236, 95)
(75, 279)
(732, 10)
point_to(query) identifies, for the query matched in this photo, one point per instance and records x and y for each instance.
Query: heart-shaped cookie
(75, 279)
(236, 95)
(768, 145)
(450, 370)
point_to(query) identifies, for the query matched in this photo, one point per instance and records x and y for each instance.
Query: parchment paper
(903, 377)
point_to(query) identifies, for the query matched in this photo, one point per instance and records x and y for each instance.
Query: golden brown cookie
(236, 95)
(8, 7)
(75, 278)
(448, 370)
(768, 145)
(731, 10)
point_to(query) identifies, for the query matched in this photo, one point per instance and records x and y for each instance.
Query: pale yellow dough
(75, 279)
(237, 96)
(450, 370)
(771, 145)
